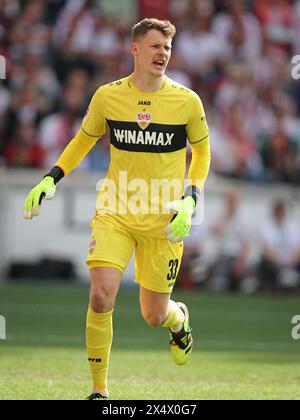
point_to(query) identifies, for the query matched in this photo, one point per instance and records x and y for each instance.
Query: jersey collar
(141, 92)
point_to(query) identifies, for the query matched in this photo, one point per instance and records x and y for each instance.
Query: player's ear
(134, 48)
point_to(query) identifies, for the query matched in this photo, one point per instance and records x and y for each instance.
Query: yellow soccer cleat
(182, 342)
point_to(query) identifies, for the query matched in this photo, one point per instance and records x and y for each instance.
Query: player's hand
(180, 227)
(45, 189)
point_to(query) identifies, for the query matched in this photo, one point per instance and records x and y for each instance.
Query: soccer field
(243, 347)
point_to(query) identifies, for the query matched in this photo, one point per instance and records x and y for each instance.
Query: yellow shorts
(157, 261)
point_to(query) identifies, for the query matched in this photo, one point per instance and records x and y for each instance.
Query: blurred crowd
(236, 54)
(230, 252)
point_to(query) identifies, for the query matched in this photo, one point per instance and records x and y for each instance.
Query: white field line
(57, 309)
(217, 344)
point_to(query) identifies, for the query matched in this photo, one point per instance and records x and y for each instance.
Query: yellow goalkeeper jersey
(148, 140)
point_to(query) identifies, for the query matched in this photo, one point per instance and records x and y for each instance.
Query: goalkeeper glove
(45, 189)
(180, 227)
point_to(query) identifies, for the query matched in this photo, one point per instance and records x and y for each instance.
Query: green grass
(243, 347)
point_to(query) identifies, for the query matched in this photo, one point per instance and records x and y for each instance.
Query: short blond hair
(145, 25)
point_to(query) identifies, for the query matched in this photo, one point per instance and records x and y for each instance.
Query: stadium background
(238, 56)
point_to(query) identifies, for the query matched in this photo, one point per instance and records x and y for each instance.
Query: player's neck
(147, 83)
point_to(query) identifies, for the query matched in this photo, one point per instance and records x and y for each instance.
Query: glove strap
(56, 173)
(194, 192)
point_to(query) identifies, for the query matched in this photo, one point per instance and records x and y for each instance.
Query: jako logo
(2, 67)
(296, 69)
(144, 103)
(2, 328)
(296, 329)
(94, 360)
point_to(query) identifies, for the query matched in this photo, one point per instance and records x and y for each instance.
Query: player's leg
(157, 265)
(105, 284)
(109, 253)
(159, 310)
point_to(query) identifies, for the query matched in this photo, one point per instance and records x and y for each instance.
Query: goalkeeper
(149, 117)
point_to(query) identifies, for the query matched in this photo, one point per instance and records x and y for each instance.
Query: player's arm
(199, 167)
(72, 155)
(198, 135)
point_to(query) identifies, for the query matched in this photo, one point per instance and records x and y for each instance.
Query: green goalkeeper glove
(45, 189)
(180, 227)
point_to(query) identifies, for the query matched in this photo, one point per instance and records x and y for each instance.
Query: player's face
(152, 52)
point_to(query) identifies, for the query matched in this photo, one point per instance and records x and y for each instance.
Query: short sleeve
(197, 128)
(94, 122)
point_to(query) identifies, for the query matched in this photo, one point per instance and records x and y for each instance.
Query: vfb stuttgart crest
(143, 119)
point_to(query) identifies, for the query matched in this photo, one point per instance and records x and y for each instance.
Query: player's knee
(101, 301)
(154, 319)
